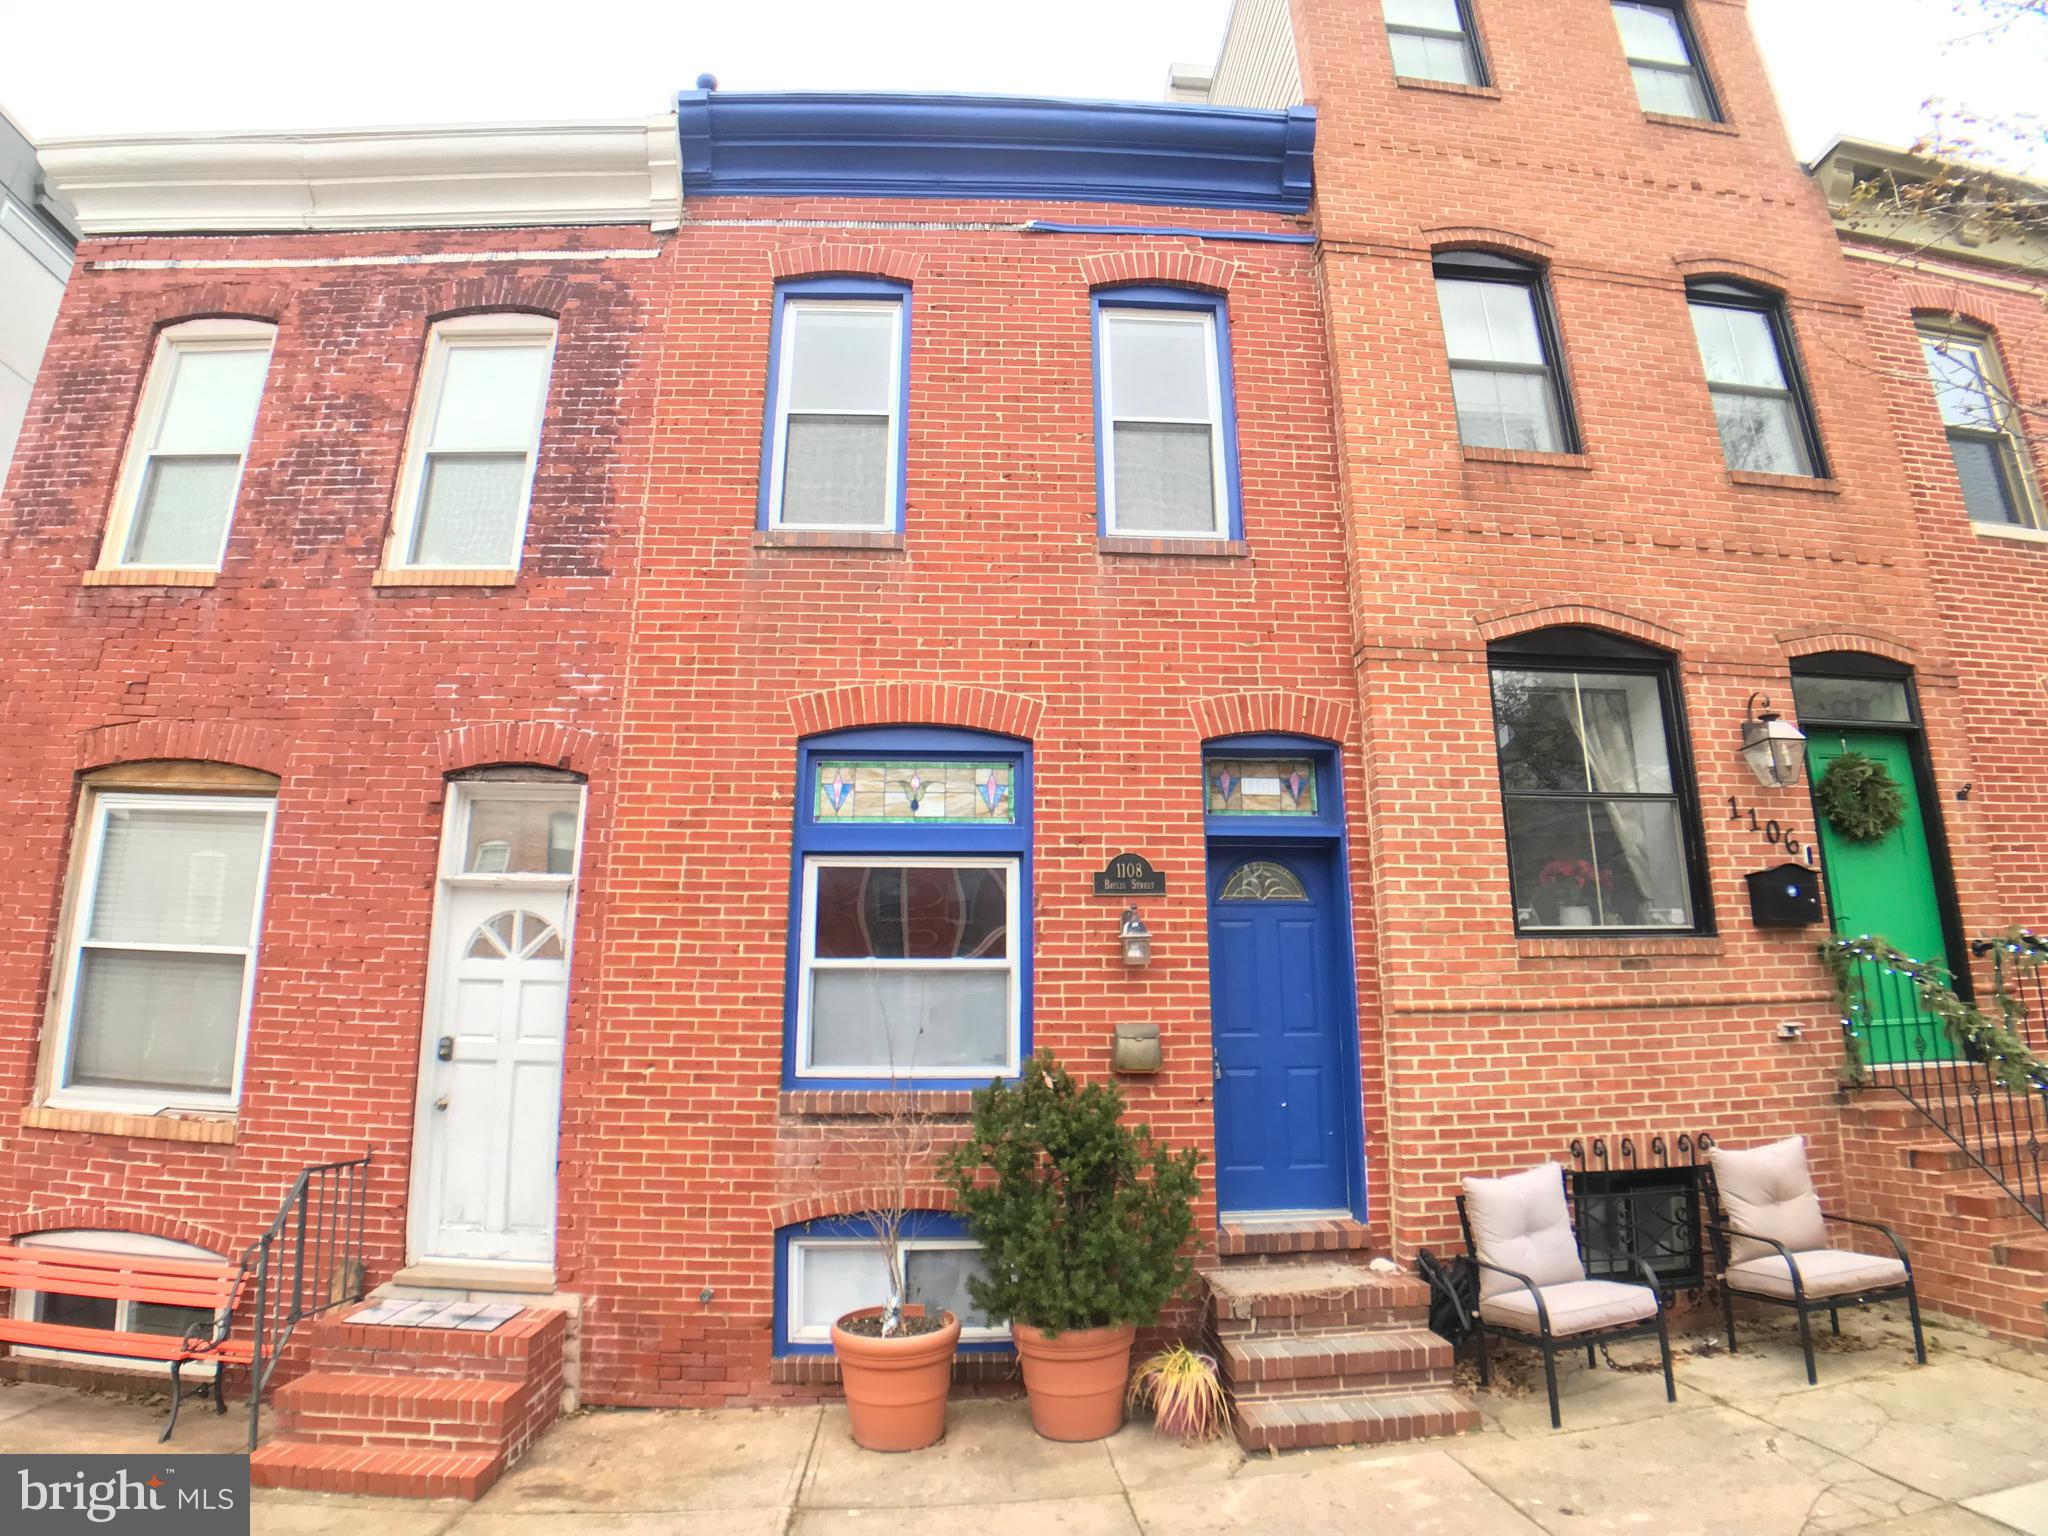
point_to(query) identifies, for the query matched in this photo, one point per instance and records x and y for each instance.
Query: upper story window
(158, 963)
(1745, 342)
(476, 426)
(1977, 412)
(177, 490)
(1504, 354)
(1434, 40)
(1664, 59)
(1165, 427)
(1602, 823)
(912, 950)
(836, 419)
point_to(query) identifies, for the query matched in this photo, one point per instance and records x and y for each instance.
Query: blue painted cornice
(855, 144)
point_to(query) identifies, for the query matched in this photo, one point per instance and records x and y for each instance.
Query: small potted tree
(895, 1360)
(1084, 1224)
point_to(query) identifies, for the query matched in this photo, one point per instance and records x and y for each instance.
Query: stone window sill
(211, 1130)
(829, 1103)
(2014, 532)
(1197, 549)
(494, 577)
(141, 576)
(1531, 460)
(1812, 484)
(1621, 945)
(824, 538)
(1448, 87)
(1696, 124)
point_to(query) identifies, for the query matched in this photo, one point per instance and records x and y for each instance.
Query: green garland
(1997, 1041)
(1860, 798)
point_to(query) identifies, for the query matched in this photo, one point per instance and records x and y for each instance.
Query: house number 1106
(1769, 831)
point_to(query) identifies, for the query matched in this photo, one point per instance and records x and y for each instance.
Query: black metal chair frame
(1719, 1230)
(1543, 1339)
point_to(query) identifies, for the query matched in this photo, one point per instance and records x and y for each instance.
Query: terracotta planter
(896, 1388)
(1076, 1382)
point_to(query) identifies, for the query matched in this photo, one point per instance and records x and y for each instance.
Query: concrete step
(1263, 1237)
(1315, 1297)
(380, 1471)
(1333, 1364)
(1297, 1424)
(422, 1413)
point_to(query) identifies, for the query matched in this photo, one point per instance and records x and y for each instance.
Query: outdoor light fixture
(1136, 938)
(1774, 748)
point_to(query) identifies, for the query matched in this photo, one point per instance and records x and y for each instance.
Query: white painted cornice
(468, 177)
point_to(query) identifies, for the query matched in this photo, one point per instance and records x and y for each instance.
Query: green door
(1885, 889)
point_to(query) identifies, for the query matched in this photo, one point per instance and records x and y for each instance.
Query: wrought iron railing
(308, 1262)
(1971, 1076)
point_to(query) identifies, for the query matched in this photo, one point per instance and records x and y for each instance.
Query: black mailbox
(1785, 897)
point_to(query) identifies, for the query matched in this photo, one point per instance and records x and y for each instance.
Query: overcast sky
(1858, 67)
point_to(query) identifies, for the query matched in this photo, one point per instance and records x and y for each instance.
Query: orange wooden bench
(213, 1284)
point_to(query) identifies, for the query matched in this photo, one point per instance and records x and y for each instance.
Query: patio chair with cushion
(1532, 1281)
(1771, 1240)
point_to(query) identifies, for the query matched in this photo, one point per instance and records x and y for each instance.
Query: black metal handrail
(308, 1262)
(2000, 1124)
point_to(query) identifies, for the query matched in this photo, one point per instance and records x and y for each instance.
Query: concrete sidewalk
(1748, 1450)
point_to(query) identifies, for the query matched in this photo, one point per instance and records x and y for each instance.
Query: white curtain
(1602, 722)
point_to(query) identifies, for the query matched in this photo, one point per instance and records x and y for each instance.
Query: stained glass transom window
(850, 791)
(1261, 786)
(1263, 880)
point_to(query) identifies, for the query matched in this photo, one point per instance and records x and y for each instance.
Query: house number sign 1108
(1770, 831)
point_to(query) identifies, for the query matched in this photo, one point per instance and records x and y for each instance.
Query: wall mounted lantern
(1774, 748)
(1136, 938)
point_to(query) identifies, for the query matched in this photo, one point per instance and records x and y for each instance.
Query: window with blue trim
(1165, 423)
(910, 945)
(825, 1269)
(838, 379)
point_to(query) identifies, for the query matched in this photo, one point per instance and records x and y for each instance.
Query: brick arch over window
(546, 743)
(220, 301)
(1730, 266)
(857, 1201)
(1483, 237)
(1581, 614)
(1931, 301)
(1812, 642)
(112, 1218)
(843, 259)
(950, 704)
(1271, 712)
(191, 741)
(499, 291)
(1168, 268)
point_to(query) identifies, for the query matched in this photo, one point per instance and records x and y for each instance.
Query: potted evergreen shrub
(1084, 1224)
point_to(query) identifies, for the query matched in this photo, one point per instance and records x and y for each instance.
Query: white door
(491, 1090)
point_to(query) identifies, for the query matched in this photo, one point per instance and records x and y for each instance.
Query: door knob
(441, 1102)
(444, 1048)
(1216, 1064)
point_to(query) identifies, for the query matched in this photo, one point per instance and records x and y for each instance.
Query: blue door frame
(1283, 1004)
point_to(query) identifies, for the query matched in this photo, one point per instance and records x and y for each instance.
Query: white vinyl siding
(1258, 66)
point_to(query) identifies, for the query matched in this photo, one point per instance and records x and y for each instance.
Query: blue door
(1276, 1009)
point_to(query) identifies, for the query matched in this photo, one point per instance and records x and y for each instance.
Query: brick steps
(387, 1473)
(1320, 1365)
(1287, 1236)
(1299, 1424)
(448, 1413)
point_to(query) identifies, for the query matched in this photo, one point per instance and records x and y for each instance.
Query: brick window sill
(140, 576)
(1696, 124)
(1619, 946)
(1530, 460)
(2013, 532)
(834, 1103)
(210, 1130)
(1812, 484)
(1448, 87)
(824, 538)
(475, 578)
(1197, 549)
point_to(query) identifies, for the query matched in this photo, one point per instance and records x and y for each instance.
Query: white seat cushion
(1520, 1222)
(1768, 1191)
(1577, 1306)
(1824, 1272)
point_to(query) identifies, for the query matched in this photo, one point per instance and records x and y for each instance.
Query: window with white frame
(836, 430)
(476, 428)
(1982, 426)
(1162, 404)
(828, 1276)
(176, 495)
(159, 960)
(105, 1312)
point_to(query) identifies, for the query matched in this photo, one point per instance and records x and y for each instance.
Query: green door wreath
(1860, 798)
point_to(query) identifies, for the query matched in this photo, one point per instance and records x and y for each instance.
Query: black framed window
(1602, 819)
(1434, 40)
(1501, 338)
(1664, 57)
(1977, 413)
(1760, 399)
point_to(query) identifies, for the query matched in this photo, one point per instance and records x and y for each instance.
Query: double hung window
(1745, 345)
(1163, 411)
(1978, 417)
(1664, 59)
(1433, 40)
(1504, 354)
(836, 429)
